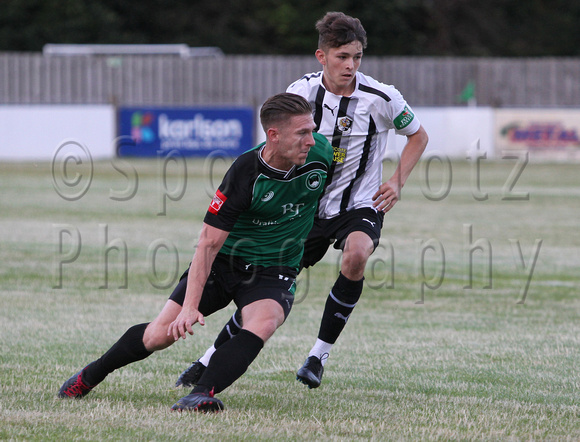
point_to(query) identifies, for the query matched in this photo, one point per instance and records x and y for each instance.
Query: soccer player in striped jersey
(355, 113)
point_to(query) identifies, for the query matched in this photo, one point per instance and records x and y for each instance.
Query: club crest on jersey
(314, 180)
(217, 202)
(344, 125)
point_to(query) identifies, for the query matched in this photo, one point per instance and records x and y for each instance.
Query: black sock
(129, 348)
(231, 329)
(339, 305)
(229, 362)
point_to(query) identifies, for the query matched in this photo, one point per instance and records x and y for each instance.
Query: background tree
(395, 27)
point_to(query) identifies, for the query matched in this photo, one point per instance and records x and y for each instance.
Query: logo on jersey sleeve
(217, 202)
(404, 118)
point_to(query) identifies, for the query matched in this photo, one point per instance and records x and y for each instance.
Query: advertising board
(547, 134)
(149, 132)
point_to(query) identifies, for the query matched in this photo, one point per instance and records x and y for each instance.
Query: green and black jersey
(269, 212)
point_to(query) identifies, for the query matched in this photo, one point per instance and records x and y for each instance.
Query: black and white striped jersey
(357, 127)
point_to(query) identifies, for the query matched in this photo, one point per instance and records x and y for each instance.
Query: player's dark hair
(336, 29)
(280, 107)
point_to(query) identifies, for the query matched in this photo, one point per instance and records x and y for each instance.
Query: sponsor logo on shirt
(292, 208)
(404, 118)
(339, 154)
(259, 222)
(217, 202)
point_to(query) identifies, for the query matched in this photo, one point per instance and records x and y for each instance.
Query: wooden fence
(249, 80)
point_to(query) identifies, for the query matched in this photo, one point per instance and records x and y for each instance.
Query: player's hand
(387, 196)
(184, 323)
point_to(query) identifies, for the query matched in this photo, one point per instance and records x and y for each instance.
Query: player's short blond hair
(279, 108)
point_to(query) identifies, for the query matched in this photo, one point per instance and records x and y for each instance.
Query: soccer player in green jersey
(249, 252)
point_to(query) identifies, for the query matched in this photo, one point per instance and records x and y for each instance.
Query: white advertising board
(37, 132)
(453, 132)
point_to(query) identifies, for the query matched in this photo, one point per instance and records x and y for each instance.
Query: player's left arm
(389, 192)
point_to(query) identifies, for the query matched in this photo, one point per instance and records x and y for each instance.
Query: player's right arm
(210, 242)
(389, 192)
(229, 201)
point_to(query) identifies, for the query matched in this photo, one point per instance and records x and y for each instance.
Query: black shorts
(335, 230)
(232, 279)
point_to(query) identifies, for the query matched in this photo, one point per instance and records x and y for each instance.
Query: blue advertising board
(154, 131)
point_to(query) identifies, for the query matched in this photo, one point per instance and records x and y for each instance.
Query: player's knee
(354, 262)
(265, 327)
(266, 330)
(263, 317)
(155, 337)
(358, 248)
(270, 326)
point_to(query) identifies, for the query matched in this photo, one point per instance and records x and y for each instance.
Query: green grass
(447, 362)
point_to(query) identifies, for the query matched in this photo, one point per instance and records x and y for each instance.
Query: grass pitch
(468, 327)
